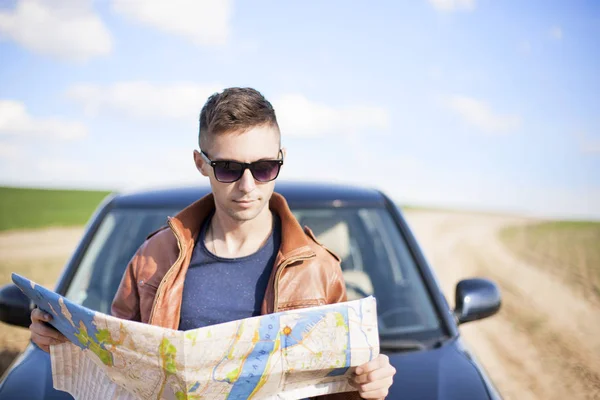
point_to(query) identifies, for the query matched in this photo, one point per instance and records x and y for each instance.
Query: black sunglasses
(228, 171)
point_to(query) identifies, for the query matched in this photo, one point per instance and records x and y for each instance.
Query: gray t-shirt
(218, 290)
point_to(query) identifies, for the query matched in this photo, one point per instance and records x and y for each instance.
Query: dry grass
(569, 250)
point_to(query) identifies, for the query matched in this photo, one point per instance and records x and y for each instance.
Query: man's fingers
(373, 379)
(44, 340)
(61, 338)
(376, 385)
(41, 329)
(376, 375)
(38, 336)
(39, 315)
(375, 394)
(361, 379)
(43, 334)
(372, 365)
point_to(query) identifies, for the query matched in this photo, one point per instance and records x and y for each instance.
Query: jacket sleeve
(336, 288)
(126, 303)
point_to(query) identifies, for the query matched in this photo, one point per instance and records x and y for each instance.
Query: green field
(22, 208)
(568, 249)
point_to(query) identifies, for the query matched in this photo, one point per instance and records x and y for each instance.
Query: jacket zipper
(280, 270)
(158, 291)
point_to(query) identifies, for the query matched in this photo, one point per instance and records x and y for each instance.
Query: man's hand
(373, 379)
(43, 334)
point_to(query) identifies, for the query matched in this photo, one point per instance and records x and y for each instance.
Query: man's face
(246, 198)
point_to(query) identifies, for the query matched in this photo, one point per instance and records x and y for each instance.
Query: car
(379, 256)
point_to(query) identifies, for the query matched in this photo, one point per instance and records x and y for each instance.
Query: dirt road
(545, 342)
(32, 245)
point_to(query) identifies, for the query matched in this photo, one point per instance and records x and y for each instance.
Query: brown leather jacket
(304, 274)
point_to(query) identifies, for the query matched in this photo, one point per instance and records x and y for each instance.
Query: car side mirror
(476, 299)
(15, 307)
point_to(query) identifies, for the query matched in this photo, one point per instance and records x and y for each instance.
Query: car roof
(297, 194)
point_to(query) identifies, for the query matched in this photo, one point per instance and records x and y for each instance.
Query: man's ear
(284, 152)
(201, 165)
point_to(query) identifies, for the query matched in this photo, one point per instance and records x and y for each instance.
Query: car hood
(17, 383)
(446, 373)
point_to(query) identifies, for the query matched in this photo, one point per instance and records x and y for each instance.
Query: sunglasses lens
(265, 171)
(227, 171)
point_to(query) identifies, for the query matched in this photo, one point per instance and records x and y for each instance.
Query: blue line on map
(303, 327)
(195, 387)
(256, 363)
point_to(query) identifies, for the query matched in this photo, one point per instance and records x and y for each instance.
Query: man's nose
(246, 182)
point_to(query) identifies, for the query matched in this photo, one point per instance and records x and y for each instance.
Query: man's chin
(248, 211)
(244, 215)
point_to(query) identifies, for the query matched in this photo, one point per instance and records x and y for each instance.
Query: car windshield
(375, 261)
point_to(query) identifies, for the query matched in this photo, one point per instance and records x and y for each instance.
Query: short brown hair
(234, 110)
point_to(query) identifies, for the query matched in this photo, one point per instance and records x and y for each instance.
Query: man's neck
(230, 238)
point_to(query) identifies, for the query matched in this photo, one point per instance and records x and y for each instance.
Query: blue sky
(459, 103)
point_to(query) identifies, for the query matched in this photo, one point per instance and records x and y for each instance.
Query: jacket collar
(187, 223)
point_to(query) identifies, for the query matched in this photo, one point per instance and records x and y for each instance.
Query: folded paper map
(287, 355)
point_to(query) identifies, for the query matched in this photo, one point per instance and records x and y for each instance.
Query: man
(238, 252)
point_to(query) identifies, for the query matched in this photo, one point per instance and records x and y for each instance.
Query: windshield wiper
(401, 345)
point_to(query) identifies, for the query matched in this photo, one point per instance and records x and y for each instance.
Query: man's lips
(244, 203)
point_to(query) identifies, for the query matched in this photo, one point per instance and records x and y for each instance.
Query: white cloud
(205, 22)
(296, 115)
(556, 32)
(480, 115)
(299, 116)
(9, 151)
(67, 29)
(144, 100)
(57, 167)
(580, 203)
(172, 167)
(453, 5)
(178, 169)
(54, 172)
(16, 121)
(429, 185)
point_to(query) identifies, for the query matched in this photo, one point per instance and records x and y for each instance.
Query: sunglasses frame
(245, 166)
